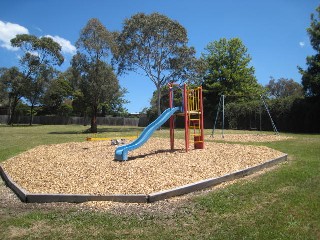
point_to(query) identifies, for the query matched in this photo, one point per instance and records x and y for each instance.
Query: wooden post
(186, 117)
(201, 122)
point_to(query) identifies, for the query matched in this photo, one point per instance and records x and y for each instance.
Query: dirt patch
(89, 167)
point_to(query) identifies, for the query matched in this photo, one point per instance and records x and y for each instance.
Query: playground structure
(191, 110)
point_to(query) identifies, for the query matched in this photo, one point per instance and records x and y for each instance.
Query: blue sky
(274, 31)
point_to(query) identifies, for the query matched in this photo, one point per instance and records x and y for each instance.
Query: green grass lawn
(281, 204)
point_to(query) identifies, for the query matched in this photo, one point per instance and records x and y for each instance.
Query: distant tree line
(156, 46)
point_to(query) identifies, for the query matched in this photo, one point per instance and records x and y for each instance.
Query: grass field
(281, 204)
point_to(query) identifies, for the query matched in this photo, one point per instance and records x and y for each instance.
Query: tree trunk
(94, 126)
(158, 100)
(9, 113)
(12, 110)
(31, 115)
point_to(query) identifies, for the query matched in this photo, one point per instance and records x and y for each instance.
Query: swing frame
(222, 104)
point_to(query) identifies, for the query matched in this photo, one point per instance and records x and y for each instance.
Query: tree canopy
(37, 52)
(228, 72)
(283, 87)
(311, 76)
(228, 68)
(58, 90)
(13, 84)
(157, 46)
(40, 55)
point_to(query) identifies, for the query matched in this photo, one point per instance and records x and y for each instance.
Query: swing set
(221, 107)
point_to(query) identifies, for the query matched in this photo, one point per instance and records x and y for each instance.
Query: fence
(58, 120)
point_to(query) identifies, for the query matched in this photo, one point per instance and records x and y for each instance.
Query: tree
(228, 72)
(311, 76)
(156, 45)
(40, 55)
(3, 93)
(114, 106)
(14, 86)
(95, 78)
(283, 87)
(58, 90)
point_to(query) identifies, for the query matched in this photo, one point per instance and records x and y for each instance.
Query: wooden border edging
(24, 196)
(213, 181)
(79, 198)
(19, 191)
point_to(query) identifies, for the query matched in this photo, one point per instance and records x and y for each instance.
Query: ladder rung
(196, 135)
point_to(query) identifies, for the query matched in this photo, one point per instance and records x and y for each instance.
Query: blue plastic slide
(121, 152)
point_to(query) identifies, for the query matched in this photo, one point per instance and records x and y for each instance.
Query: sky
(273, 31)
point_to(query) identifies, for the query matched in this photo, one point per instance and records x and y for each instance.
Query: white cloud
(8, 31)
(302, 44)
(66, 46)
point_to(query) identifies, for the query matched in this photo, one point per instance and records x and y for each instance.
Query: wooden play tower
(192, 111)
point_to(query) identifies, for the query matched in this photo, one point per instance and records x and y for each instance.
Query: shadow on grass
(118, 129)
(66, 132)
(102, 130)
(20, 125)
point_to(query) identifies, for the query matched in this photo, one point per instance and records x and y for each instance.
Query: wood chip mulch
(247, 137)
(89, 167)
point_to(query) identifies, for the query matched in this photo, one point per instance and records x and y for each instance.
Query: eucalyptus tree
(13, 86)
(40, 56)
(94, 78)
(311, 76)
(157, 46)
(283, 88)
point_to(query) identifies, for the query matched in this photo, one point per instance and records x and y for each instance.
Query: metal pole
(172, 117)
(273, 124)
(222, 115)
(215, 121)
(260, 110)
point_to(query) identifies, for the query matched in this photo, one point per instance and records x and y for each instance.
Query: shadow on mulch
(147, 154)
